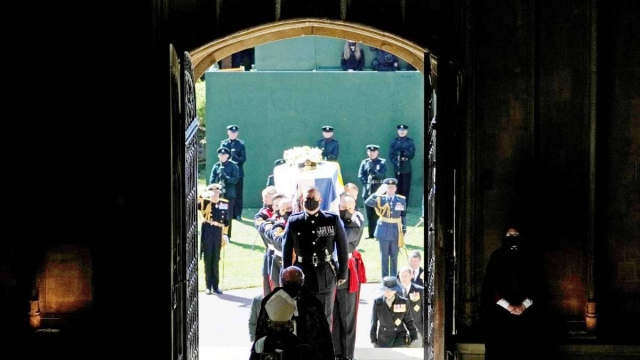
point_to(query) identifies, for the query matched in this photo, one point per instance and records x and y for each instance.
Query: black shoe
(239, 218)
(370, 237)
(217, 291)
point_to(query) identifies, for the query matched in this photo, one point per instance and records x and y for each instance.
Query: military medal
(416, 308)
(398, 322)
(399, 308)
(414, 296)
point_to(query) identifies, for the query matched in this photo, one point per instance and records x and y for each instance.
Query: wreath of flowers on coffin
(304, 157)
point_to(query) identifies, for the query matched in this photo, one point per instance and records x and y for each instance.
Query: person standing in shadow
(517, 320)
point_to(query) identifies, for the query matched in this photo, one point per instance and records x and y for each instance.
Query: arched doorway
(203, 57)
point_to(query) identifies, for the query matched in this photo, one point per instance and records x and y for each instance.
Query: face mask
(345, 215)
(270, 207)
(293, 289)
(514, 242)
(286, 215)
(311, 204)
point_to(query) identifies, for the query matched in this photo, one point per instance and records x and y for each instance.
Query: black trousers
(327, 298)
(230, 212)
(237, 209)
(372, 219)
(404, 185)
(212, 244)
(345, 316)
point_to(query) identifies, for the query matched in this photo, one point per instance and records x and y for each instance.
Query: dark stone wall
(532, 81)
(99, 179)
(618, 256)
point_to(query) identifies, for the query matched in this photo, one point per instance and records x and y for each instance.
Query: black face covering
(311, 204)
(514, 242)
(345, 215)
(286, 215)
(293, 289)
(270, 207)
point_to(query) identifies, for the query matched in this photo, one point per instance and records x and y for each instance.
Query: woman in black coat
(516, 317)
(391, 317)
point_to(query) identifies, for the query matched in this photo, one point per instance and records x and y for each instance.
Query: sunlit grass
(241, 260)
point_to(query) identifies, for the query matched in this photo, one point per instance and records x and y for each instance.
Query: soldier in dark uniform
(226, 173)
(372, 171)
(391, 318)
(270, 179)
(215, 214)
(415, 294)
(259, 218)
(401, 152)
(314, 235)
(391, 226)
(330, 146)
(273, 232)
(239, 156)
(345, 309)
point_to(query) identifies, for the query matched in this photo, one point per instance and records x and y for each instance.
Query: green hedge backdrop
(277, 110)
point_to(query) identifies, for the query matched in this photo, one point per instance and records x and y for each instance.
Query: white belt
(271, 247)
(277, 252)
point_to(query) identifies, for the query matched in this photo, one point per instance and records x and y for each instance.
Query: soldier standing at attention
(239, 156)
(390, 229)
(330, 146)
(226, 173)
(215, 218)
(372, 171)
(401, 153)
(314, 235)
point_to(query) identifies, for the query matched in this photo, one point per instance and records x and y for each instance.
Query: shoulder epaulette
(401, 196)
(241, 141)
(225, 200)
(382, 160)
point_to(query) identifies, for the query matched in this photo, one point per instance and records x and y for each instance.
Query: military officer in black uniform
(372, 171)
(401, 152)
(330, 146)
(271, 179)
(345, 308)
(215, 218)
(226, 173)
(239, 156)
(415, 294)
(314, 235)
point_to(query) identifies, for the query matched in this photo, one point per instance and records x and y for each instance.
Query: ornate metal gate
(184, 127)
(430, 259)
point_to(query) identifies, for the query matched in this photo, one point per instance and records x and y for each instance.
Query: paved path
(224, 327)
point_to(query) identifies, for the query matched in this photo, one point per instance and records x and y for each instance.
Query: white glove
(382, 189)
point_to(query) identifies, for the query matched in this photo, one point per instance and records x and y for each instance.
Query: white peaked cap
(280, 306)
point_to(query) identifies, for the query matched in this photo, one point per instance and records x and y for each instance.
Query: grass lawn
(241, 260)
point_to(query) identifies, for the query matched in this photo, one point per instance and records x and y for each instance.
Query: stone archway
(206, 55)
